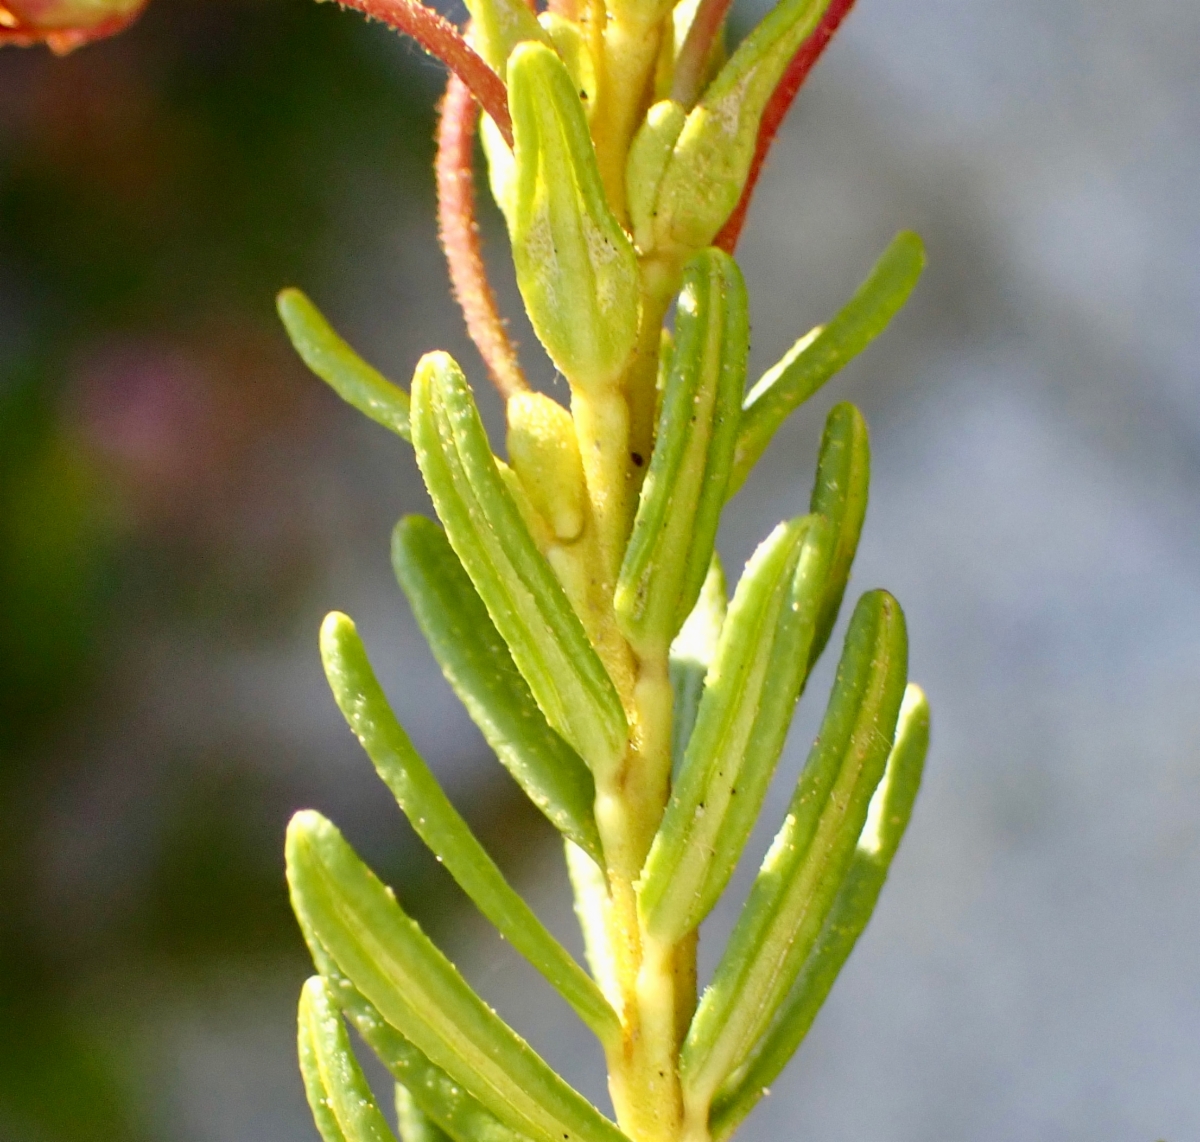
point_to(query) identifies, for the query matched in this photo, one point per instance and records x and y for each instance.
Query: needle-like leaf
(443, 1100)
(439, 825)
(476, 663)
(343, 370)
(887, 818)
(418, 991)
(840, 495)
(823, 351)
(671, 546)
(749, 696)
(807, 861)
(342, 1102)
(525, 600)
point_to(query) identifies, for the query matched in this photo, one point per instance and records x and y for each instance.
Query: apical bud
(671, 546)
(576, 268)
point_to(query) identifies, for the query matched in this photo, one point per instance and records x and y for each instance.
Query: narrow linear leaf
(692, 654)
(807, 861)
(649, 156)
(315, 1091)
(525, 600)
(749, 697)
(342, 1102)
(671, 546)
(418, 991)
(887, 818)
(343, 370)
(477, 664)
(439, 825)
(522, 595)
(840, 495)
(443, 1100)
(415, 1125)
(826, 350)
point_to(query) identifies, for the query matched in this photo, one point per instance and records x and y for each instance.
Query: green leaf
(418, 991)
(343, 370)
(576, 267)
(342, 1102)
(840, 495)
(692, 654)
(447, 1105)
(749, 697)
(807, 861)
(826, 350)
(476, 663)
(439, 825)
(649, 155)
(415, 1125)
(712, 156)
(887, 818)
(671, 546)
(525, 600)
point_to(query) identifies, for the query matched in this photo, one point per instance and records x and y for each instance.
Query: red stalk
(459, 233)
(777, 107)
(441, 38)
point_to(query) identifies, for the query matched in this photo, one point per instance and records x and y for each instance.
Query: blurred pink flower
(64, 25)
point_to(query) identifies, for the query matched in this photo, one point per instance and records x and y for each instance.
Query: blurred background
(180, 503)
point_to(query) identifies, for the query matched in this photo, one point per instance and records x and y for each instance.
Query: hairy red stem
(442, 39)
(459, 233)
(777, 107)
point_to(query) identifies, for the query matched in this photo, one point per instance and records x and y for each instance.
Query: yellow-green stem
(660, 281)
(602, 426)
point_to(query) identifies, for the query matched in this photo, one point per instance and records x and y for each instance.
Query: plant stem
(459, 235)
(442, 39)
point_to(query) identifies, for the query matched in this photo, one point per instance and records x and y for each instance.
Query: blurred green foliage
(155, 192)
